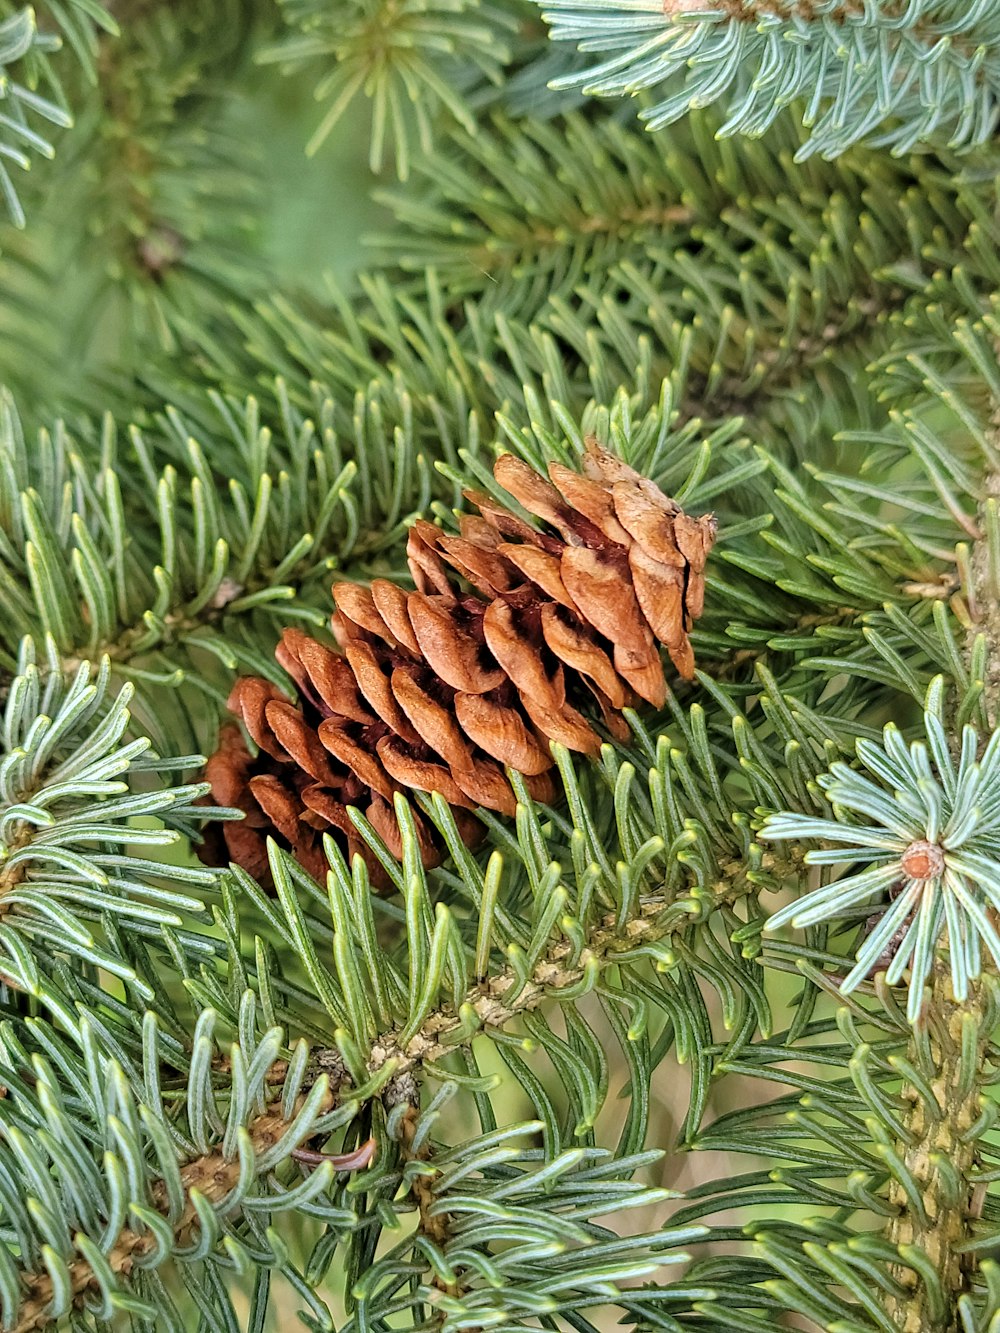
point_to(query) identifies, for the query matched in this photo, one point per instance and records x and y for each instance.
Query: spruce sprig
(871, 73)
(20, 39)
(75, 823)
(930, 852)
(415, 62)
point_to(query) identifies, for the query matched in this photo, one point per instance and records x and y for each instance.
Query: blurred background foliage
(183, 187)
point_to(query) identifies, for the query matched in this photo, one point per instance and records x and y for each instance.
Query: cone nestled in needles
(515, 635)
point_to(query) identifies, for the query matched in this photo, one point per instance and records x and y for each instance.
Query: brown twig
(357, 1160)
(985, 600)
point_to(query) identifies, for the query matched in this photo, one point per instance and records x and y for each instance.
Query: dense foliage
(707, 1041)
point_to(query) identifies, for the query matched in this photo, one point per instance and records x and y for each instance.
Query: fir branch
(194, 578)
(24, 51)
(415, 1149)
(336, 1084)
(833, 276)
(415, 62)
(846, 308)
(500, 998)
(68, 841)
(213, 1176)
(618, 251)
(984, 581)
(511, 1233)
(478, 963)
(943, 1128)
(937, 1212)
(489, 1005)
(174, 214)
(935, 1187)
(929, 847)
(189, 1186)
(879, 73)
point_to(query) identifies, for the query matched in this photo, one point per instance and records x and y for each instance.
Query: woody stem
(938, 1155)
(940, 1152)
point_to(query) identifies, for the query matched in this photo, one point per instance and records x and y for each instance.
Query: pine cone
(442, 688)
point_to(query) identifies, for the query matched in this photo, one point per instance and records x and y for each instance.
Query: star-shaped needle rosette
(923, 831)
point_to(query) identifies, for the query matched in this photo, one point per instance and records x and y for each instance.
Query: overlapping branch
(884, 73)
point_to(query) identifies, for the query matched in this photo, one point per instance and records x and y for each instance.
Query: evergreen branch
(555, 918)
(211, 1177)
(879, 73)
(389, 1054)
(173, 187)
(26, 45)
(943, 1129)
(134, 1186)
(21, 42)
(509, 1233)
(158, 1132)
(929, 849)
(909, 534)
(983, 565)
(198, 578)
(591, 336)
(194, 573)
(810, 559)
(68, 839)
(626, 242)
(849, 1141)
(936, 1194)
(939, 1152)
(497, 1000)
(415, 62)
(601, 265)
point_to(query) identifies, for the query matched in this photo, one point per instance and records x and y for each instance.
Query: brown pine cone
(511, 631)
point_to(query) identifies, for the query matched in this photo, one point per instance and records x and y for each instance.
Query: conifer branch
(499, 999)
(434, 1225)
(635, 238)
(565, 970)
(69, 796)
(212, 1175)
(838, 12)
(809, 11)
(192, 578)
(931, 1136)
(695, 54)
(496, 1001)
(176, 260)
(586, 279)
(939, 1204)
(141, 231)
(940, 1149)
(21, 43)
(387, 49)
